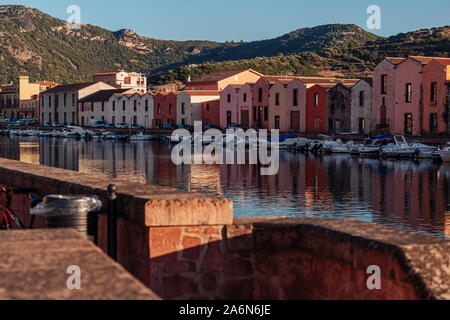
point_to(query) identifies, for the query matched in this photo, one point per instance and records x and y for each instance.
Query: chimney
(189, 78)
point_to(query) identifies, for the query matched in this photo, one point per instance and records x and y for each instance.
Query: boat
(288, 141)
(399, 149)
(340, 147)
(445, 153)
(141, 136)
(372, 146)
(426, 151)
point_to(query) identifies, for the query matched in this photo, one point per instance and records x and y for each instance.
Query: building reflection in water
(404, 194)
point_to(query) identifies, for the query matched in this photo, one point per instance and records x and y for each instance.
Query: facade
(316, 108)
(384, 96)
(236, 106)
(296, 106)
(123, 80)
(221, 79)
(434, 118)
(277, 105)
(211, 112)
(60, 104)
(339, 108)
(189, 105)
(361, 107)
(117, 105)
(21, 100)
(165, 109)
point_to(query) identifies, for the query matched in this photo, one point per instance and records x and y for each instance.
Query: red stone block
(297, 285)
(177, 286)
(164, 241)
(236, 290)
(235, 266)
(211, 230)
(208, 282)
(264, 289)
(213, 259)
(191, 247)
(179, 266)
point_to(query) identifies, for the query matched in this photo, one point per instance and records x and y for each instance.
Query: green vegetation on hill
(34, 43)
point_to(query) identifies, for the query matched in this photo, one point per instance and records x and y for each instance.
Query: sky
(245, 20)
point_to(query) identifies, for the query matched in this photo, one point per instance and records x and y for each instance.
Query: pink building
(236, 106)
(296, 106)
(408, 86)
(383, 96)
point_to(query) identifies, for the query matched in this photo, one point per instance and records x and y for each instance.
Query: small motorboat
(141, 136)
(445, 153)
(426, 151)
(400, 149)
(372, 146)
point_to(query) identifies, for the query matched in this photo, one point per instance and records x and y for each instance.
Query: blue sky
(244, 19)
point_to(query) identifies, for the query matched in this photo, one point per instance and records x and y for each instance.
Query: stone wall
(188, 246)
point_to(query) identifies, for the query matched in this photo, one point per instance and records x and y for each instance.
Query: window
(254, 113)
(316, 100)
(362, 125)
(207, 107)
(295, 97)
(245, 97)
(383, 84)
(124, 119)
(123, 105)
(56, 101)
(277, 99)
(170, 108)
(228, 97)
(65, 99)
(182, 108)
(260, 94)
(277, 122)
(135, 105)
(114, 106)
(362, 95)
(383, 103)
(408, 123)
(408, 93)
(433, 96)
(82, 107)
(146, 105)
(103, 106)
(65, 117)
(266, 113)
(159, 109)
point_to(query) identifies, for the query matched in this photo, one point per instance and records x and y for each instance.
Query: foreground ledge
(33, 266)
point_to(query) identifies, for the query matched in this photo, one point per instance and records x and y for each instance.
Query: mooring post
(112, 221)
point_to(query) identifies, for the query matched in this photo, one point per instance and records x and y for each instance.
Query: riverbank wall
(189, 246)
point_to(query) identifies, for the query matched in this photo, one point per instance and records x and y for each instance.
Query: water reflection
(403, 194)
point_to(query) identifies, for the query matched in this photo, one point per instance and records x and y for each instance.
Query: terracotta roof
(70, 87)
(47, 83)
(219, 75)
(102, 95)
(106, 73)
(444, 61)
(395, 60)
(202, 92)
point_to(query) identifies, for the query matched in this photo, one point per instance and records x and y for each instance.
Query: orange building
(221, 79)
(211, 112)
(435, 75)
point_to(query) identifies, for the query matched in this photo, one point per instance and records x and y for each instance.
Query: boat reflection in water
(399, 193)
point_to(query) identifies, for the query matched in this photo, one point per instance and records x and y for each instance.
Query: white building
(189, 105)
(59, 104)
(361, 106)
(123, 80)
(117, 105)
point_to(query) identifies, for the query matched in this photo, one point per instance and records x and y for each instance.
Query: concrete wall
(188, 246)
(364, 111)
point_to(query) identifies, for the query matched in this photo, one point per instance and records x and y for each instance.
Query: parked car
(234, 126)
(69, 124)
(97, 123)
(57, 124)
(169, 126)
(212, 126)
(121, 125)
(133, 126)
(47, 124)
(110, 126)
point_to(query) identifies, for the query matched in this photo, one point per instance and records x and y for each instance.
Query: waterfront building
(117, 105)
(21, 100)
(339, 108)
(60, 104)
(123, 80)
(435, 101)
(189, 105)
(236, 106)
(219, 80)
(383, 95)
(316, 108)
(211, 112)
(361, 107)
(165, 109)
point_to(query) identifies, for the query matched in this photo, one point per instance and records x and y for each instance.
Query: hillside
(34, 43)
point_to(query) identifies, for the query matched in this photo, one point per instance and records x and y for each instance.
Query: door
(316, 125)
(408, 124)
(245, 118)
(433, 124)
(362, 125)
(228, 118)
(295, 120)
(277, 122)
(337, 128)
